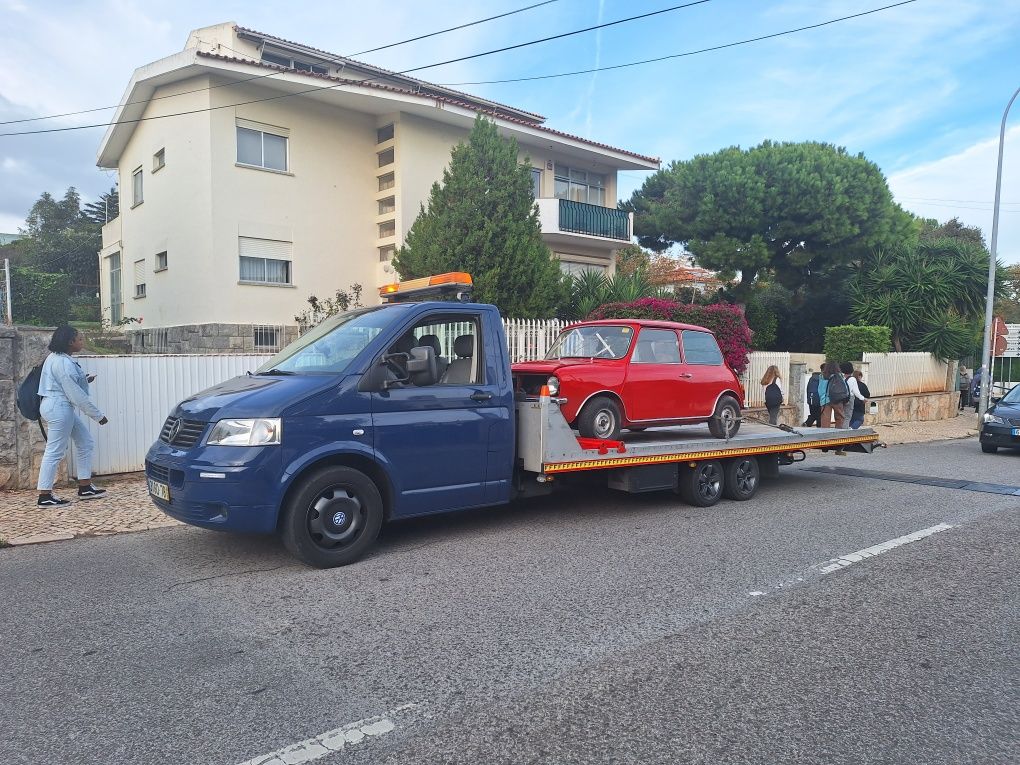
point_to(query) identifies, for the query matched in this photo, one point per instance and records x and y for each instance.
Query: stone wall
(21, 443)
(917, 407)
(207, 338)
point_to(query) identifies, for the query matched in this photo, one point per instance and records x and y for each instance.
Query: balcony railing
(593, 220)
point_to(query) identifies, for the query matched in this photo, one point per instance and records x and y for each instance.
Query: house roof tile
(445, 99)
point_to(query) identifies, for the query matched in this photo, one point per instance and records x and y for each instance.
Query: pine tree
(482, 219)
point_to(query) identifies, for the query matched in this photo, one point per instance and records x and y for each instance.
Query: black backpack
(773, 396)
(29, 398)
(839, 392)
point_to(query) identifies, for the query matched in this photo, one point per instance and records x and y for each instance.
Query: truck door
(435, 439)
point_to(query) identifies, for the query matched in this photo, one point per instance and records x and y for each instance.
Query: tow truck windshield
(330, 347)
(599, 342)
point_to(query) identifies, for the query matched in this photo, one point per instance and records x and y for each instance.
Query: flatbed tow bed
(685, 459)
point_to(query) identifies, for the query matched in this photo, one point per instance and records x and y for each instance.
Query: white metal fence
(531, 339)
(891, 374)
(757, 363)
(137, 392)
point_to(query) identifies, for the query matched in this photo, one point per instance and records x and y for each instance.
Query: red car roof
(659, 324)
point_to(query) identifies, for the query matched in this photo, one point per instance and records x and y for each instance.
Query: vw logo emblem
(175, 429)
(339, 518)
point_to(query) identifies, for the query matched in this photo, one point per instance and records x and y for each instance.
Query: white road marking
(870, 552)
(331, 741)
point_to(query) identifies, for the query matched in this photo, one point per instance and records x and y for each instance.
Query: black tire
(332, 518)
(726, 421)
(701, 485)
(600, 418)
(742, 477)
(989, 448)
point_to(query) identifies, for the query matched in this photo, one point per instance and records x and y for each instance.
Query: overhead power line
(451, 29)
(269, 74)
(367, 79)
(680, 55)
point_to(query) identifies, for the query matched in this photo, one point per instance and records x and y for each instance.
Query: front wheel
(989, 448)
(726, 421)
(333, 517)
(600, 418)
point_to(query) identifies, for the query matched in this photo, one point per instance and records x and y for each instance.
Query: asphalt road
(584, 628)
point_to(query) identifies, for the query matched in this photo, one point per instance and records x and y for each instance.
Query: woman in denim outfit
(64, 386)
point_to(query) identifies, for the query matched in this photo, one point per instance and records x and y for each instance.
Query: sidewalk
(128, 508)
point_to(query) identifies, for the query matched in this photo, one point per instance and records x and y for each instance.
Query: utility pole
(986, 346)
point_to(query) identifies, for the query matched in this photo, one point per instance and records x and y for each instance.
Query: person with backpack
(814, 402)
(847, 370)
(858, 416)
(837, 394)
(773, 385)
(64, 387)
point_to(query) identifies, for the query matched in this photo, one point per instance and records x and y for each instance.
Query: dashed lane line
(837, 564)
(332, 741)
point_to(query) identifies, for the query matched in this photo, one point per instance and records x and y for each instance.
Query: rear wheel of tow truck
(600, 418)
(333, 518)
(701, 485)
(741, 478)
(726, 421)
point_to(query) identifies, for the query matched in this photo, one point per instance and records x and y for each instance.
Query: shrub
(725, 320)
(40, 298)
(85, 309)
(848, 342)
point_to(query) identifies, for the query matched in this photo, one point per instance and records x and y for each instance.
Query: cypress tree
(482, 219)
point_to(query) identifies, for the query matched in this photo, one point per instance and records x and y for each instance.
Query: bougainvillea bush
(725, 320)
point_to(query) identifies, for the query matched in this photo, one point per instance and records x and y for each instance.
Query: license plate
(1016, 431)
(159, 490)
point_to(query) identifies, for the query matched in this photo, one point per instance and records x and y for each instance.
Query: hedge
(40, 298)
(848, 342)
(725, 320)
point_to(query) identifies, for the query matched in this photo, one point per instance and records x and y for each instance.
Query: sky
(919, 89)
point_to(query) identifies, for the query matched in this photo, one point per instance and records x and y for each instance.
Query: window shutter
(249, 247)
(139, 272)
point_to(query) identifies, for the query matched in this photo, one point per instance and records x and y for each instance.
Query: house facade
(255, 172)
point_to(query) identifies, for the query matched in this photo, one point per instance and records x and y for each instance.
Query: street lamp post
(986, 346)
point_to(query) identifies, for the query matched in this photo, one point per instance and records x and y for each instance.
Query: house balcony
(565, 222)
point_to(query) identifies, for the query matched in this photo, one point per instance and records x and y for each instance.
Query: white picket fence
(891, 374)
(530, 339)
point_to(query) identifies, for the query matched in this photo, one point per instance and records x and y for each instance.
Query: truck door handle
(480, 396)
(687, 375)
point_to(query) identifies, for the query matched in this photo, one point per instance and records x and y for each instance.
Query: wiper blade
(275, 371)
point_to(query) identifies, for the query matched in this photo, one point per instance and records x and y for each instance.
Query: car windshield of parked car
(1013, 397)
(332, 345)
(595, 342)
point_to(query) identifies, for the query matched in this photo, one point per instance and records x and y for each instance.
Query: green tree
(104, 209)
(62, 240)
(930, 229)
(930, 293)
(1008, 305)
(482, 219)
(803, 212)
(632, 258)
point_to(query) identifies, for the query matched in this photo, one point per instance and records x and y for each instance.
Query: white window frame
(137, 190)
(159, 160)
(165, 259)
(267, 246)
(262, 130)
(139, 269)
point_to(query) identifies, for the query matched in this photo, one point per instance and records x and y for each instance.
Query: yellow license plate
(159, 490)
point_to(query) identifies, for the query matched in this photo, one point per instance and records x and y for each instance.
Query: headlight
(994, 419)
(554, 385)
(263, 432)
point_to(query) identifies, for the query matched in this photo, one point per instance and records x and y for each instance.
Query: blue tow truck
(409, 408)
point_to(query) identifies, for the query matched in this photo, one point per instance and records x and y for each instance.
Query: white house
(256, 171)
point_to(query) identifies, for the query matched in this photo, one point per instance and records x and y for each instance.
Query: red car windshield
(596, 342)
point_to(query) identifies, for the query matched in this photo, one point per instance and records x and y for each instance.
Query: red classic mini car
(634, 374)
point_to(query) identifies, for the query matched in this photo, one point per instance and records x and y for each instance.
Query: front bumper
(246, 499)
(994, 434)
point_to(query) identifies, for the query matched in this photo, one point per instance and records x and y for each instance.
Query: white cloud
(962, 185)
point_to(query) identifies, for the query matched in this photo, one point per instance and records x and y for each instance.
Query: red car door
(653, 389)
(709, 374)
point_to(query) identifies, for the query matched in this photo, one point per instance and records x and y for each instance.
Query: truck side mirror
(422, 366)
